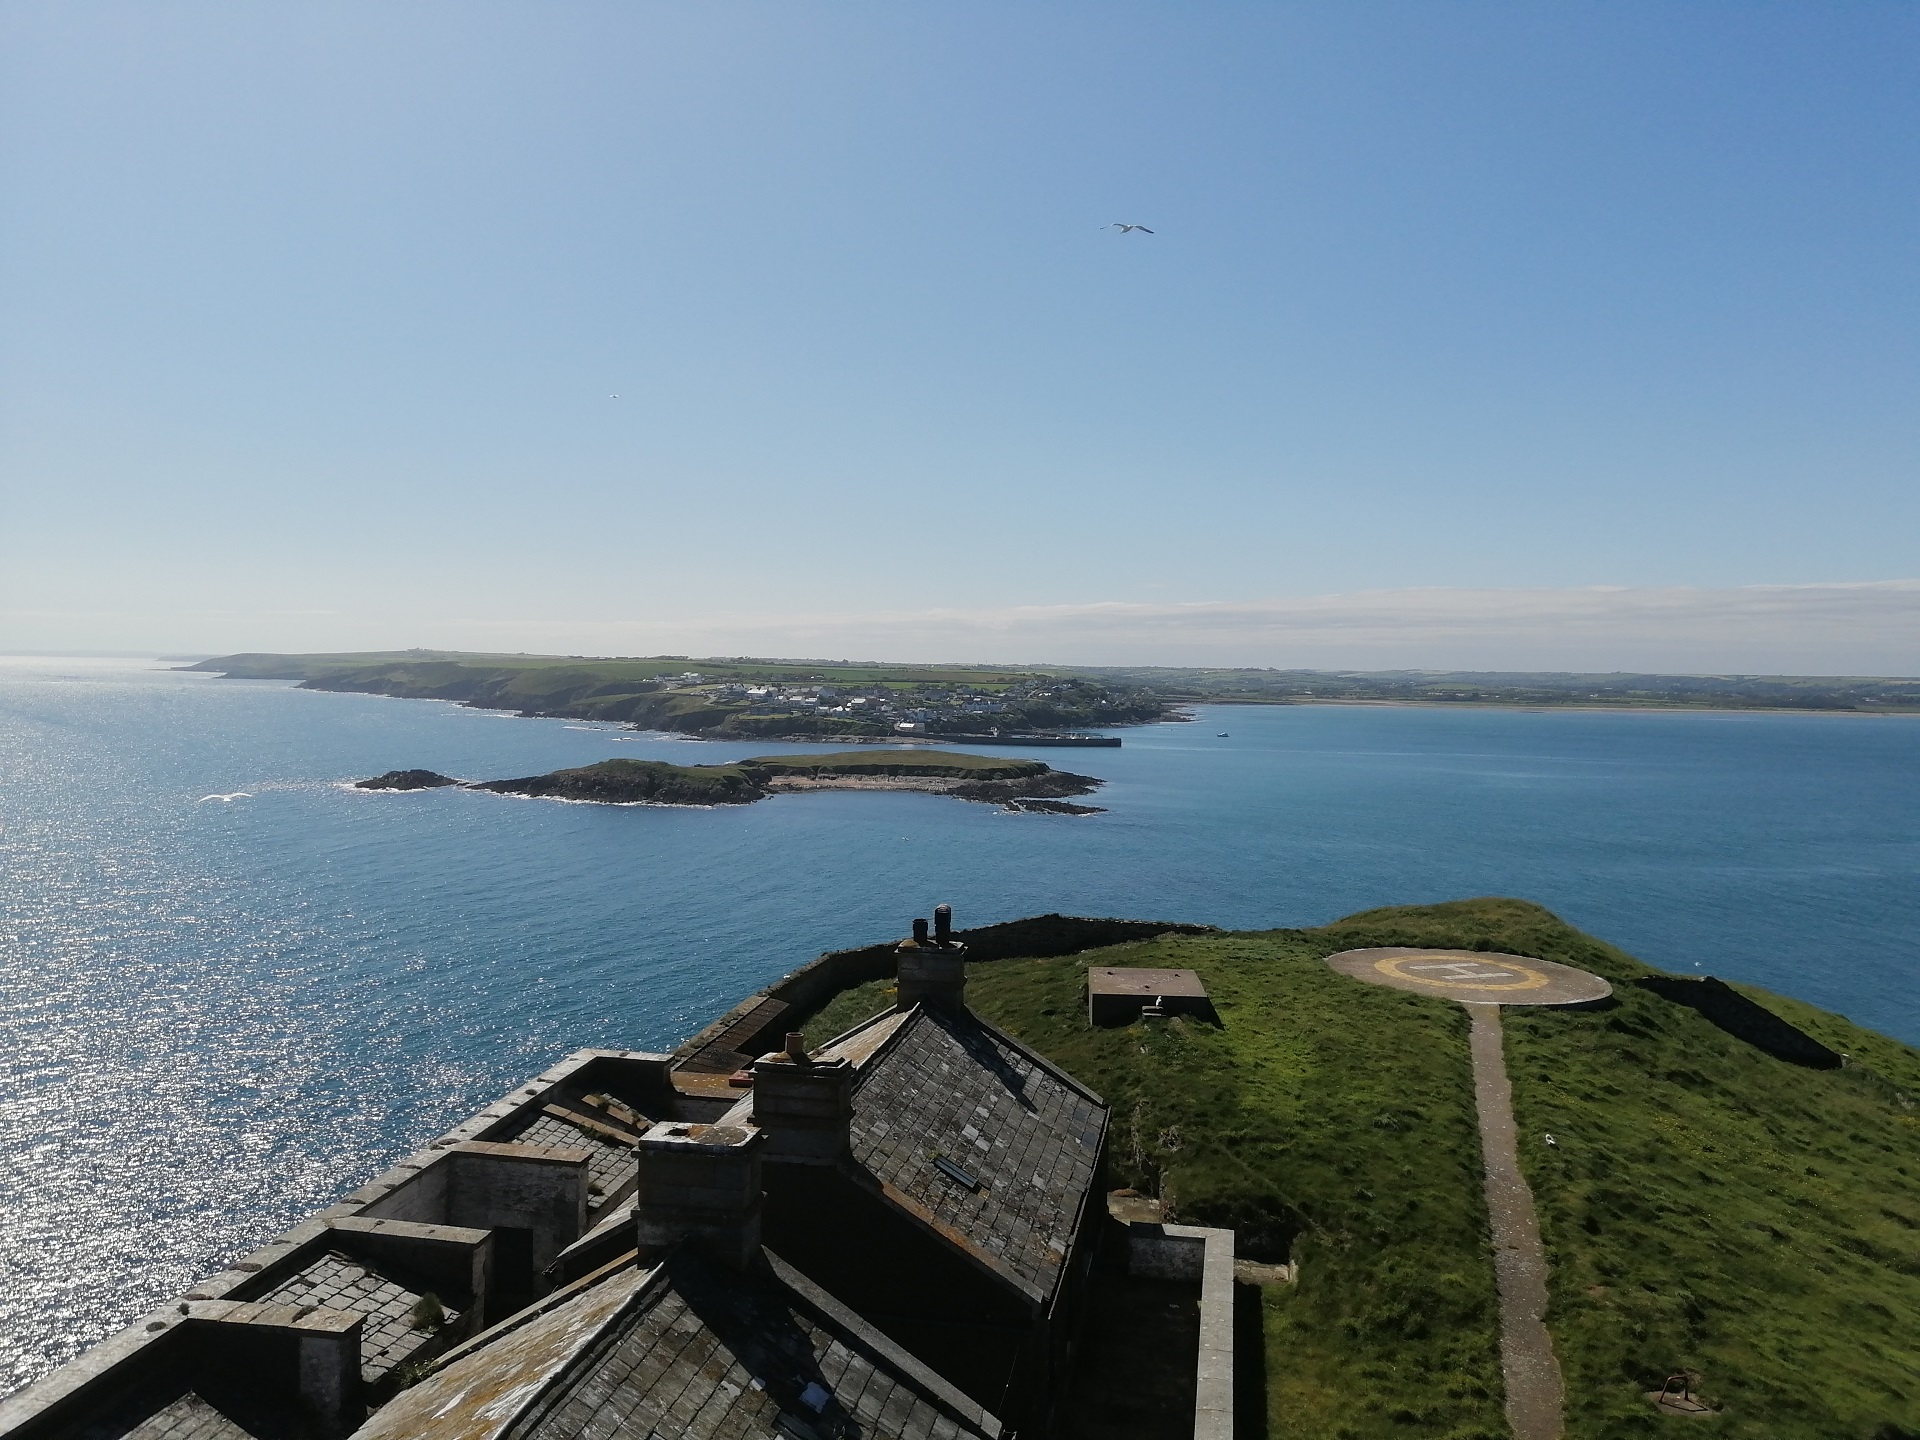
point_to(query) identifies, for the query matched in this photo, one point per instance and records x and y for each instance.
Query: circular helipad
(1476, 977)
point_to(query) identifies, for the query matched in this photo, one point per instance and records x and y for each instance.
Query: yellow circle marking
(1461, 978)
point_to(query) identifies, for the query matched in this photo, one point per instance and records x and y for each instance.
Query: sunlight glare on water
(218, 1015)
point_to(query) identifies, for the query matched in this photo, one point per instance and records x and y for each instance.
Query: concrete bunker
(1122, 996)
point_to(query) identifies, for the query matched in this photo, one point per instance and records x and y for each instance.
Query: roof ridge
(870, 1066)
(1038, 1059)
(943, 1392)
(545, 1306)
(917, 1214)
(866, 1024)
(648, 1292)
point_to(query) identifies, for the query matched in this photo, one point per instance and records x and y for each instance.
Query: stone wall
(1744, 1019)
(742, 1034)
(299, 1364)
(1204, 1258)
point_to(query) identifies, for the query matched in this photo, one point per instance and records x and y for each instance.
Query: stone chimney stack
(803, 1106)
(701, 1184)
(932, 970)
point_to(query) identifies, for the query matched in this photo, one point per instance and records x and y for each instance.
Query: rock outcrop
(406, 780)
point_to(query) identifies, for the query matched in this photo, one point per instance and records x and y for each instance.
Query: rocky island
(1014, 784)
(406, 780)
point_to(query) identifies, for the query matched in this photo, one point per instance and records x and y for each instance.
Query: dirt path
(1484, 981)
(1536, 1395)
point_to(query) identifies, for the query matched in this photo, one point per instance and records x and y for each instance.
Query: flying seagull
(236, 795)
(1123, 227)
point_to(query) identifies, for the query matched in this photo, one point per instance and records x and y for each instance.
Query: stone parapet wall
(805, 990)
(303, 1362)
(1744, 1019)
(1204, 1258)
(433, 1213)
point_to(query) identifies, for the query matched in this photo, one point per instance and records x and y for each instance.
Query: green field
(1863, 694)
(899, 762)
(1708, 1206)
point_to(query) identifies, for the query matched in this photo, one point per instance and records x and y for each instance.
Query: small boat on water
(1221, 736)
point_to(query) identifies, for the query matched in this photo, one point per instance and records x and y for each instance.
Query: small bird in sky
(1123, 227)
(229, 799)
(613, 397)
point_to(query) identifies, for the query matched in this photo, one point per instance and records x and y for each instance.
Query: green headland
(1706, 1207)
(738, 698)
(729, 699)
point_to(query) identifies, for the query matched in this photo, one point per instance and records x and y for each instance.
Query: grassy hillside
(1708, 1206)
(945, 763)
(629, 782)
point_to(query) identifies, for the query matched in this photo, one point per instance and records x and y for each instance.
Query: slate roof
(690, 1350)
(174, 1410)
(951, 1087)
(337, 1281)
(718, 1355)
(188, 1418)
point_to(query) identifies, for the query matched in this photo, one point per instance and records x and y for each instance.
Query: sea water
(219, 1014)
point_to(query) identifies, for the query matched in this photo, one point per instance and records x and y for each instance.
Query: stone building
(890, 1237)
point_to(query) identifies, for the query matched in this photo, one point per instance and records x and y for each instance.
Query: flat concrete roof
(1103, 980)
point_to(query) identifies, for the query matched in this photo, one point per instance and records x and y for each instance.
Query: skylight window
(954, 1173)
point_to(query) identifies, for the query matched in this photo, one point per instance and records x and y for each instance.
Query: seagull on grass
(1123, 227)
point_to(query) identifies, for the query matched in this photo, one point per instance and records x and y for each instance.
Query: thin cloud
(1856, 629)
(1865, 628)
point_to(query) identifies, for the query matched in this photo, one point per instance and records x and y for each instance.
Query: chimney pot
(797, 1047)
(919, 930)
(942, 923)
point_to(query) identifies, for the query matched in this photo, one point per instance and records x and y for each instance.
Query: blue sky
(312, 315)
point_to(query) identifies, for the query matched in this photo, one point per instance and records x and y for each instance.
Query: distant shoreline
(762, 700)
(1640, 707)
